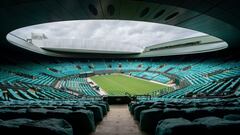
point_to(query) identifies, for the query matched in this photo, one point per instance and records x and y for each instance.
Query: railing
(92, 98)
(142, 97)
(161, 92)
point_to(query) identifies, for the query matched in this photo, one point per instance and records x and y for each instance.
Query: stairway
(118, 121)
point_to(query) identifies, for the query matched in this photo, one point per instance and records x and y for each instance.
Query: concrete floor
(118, 121)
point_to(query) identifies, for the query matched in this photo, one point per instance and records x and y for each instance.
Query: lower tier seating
(202, 126)
(25, 126)
(152, 114)
(82, 116)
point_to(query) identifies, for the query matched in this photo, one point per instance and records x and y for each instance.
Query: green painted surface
(117, 84)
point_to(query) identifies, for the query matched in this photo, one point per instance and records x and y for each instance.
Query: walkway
(118, 121)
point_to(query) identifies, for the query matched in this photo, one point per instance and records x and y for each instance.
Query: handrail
(18, 37)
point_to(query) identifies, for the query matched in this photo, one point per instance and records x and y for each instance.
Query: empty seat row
(201, 126)
(83, 117)
(25, 126)
(149, 113)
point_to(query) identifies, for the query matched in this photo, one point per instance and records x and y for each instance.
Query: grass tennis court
(118, 84)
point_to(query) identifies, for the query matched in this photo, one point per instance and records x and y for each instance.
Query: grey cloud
(128, 33)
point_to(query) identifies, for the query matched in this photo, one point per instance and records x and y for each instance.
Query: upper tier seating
(69, 75)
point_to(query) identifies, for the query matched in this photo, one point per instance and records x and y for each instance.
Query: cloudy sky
(107, 33)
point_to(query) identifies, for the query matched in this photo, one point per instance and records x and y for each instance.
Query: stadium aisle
(118, 122)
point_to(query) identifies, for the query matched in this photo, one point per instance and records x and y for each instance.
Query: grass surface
(118, 84)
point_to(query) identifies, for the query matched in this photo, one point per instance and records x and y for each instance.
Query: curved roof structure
(218, 18)
(99, 36)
